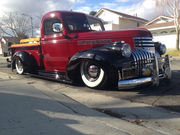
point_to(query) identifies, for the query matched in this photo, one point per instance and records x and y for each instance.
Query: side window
(49, 24)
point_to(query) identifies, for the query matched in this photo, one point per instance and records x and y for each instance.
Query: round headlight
(126, 50)
(162, 49)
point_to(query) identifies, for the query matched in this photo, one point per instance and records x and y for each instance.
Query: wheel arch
(28, 59)
(73, 67)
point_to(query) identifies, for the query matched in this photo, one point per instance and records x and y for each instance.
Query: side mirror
(57, 27)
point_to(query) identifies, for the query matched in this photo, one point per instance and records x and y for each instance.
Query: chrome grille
(143, 42)
(142, 57)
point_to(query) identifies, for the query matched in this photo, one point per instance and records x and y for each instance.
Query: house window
(138, 24)
(154, 33)
(107, 22)
(164, 32)
(173, 31)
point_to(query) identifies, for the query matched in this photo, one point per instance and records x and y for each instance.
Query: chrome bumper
(154, 79)
(134, 82)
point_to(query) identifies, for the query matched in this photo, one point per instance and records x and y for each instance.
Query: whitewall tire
(19, 66)
(92, 75)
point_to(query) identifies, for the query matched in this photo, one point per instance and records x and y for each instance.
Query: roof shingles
(159, 25)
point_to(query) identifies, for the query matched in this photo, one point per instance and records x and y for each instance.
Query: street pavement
(28, 109)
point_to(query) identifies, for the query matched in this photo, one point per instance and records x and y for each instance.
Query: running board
(51, 76)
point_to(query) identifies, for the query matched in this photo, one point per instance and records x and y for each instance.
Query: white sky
(143, 8)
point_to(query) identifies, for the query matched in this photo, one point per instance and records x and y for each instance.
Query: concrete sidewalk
(28, 110)
(155, 118)
(175, 57)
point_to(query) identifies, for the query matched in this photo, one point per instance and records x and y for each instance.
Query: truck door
(54, 46)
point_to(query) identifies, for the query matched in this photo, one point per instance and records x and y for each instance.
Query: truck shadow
(166, 95)
(165, 87)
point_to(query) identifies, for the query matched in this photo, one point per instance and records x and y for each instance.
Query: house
(163, 30)
(114, 20)
(4, 41)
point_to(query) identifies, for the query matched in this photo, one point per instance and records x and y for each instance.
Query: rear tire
(19, 66)
(93, 75)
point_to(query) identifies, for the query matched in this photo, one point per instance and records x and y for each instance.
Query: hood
(128, 33)
(104, 37)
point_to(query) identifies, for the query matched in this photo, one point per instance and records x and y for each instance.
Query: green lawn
(173, 52)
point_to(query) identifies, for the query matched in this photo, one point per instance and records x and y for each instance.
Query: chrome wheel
(19, 66)
(92, 74)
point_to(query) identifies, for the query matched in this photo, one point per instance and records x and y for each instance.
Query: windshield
(82, 23)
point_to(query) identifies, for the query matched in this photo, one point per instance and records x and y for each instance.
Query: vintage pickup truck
(75, 47)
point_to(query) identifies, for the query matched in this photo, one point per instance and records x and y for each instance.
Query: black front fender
(109, 58)
(27, 59)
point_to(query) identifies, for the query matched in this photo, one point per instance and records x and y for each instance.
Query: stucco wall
(165, 36)
(168, 40)
(115, 27)
(115, 22)
(108, 26)
(127, 23)
(109, 17)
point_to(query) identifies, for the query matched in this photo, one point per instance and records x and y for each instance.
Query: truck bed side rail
(27, 42)
(30, 40)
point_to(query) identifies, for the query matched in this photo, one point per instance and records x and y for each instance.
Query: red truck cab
(75, 46)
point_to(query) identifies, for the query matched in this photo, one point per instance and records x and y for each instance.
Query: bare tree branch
(3, 31)
(16, 25)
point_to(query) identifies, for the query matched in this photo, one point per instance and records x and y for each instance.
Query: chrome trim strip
(143, 41)
(149, 57)
(148, 44)
(134, 57)
(134, 82)
(144, 45)
(137, 40)
(138, 60)
(141, 57)
(143, 38)
(144, 56)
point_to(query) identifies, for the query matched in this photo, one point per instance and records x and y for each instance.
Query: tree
(15, 25)
(92, 13)
(171, 7)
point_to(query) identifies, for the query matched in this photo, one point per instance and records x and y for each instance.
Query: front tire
(93, 75)
(19, 66)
